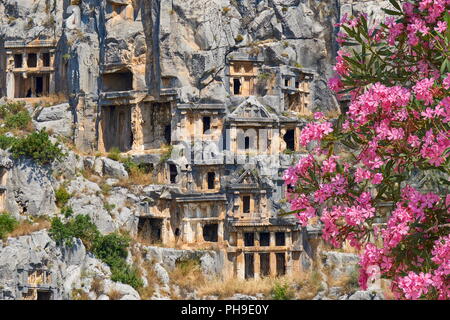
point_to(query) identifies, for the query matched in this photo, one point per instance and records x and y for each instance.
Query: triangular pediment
(251, 108)
(248, 177)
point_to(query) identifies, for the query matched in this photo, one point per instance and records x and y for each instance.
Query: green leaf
(396, 5)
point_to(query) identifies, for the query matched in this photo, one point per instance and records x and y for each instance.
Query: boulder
(57, 118)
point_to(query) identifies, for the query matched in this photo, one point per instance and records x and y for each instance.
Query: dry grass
(188, 274)
(137, 177)
(114, 295)
(78, 294)
(310, 285)
(147, 292)
(229, 287)
(53, 99)
(26, 227)
(97, 286)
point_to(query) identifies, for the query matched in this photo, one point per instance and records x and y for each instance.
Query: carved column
(273, 264)
(240, 265)
(257, 265)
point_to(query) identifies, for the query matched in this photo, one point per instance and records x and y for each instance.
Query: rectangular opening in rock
(46, 59)
(246, 204)
(247, 143)
(210, 232)
(249, 239)
(281, 264)
(206, 124)
(289, 138)
(236, 86)
(150, 229)
(280, 239)
(249, 266)
(173, 172)
(32, 60)
(117, 81)
(44, 295)
(116, 126)
(211, 180)
(39, 86)
(287, 82)
(264, 262)
(264, 239)
(18, 61)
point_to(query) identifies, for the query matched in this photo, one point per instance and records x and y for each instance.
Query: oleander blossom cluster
(359, 177)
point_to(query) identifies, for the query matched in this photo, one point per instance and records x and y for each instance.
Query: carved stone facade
(30, 68)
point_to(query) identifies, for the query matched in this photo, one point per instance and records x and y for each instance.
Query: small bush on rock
(282, 291)
(62, 196)
(7, 224)
(111, 248)
(6, 142)
(37, 146)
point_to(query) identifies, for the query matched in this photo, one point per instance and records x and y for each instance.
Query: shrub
(282, 291)
(37, 146)
(67, 211)
(19, 120)
(79, 227)
(11, 108)
(239, 38)
(7, 224)
(111, 248)
(62, 196)
(6, 142)
(126, 274)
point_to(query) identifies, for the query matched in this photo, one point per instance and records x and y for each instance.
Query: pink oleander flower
(423, 92)
(318, 115)
(377, 178)
(415, 285)
(315, 132)
(441, 26)
(362, 175)
(446, 82)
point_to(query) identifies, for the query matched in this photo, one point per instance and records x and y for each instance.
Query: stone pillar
(288, 239)
(288, 262)
(25, 61)
(273, 264)
(296, 139)
(52, 84)
(256, 239)
(257, 265)
(239, 240)
(272, 239)
(281, 140)
(240, 265)
(198, 128)
(220, 232)
(199, 232)
(39, 62)
(187, 232)
(136, 127)
(233, 140)
(10, 85)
